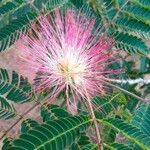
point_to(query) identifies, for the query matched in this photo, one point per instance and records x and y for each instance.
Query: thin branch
(130, 81)
(37, 103)
(19, 119)
(129, 93)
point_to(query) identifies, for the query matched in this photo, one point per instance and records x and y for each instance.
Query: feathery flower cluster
(70, 55)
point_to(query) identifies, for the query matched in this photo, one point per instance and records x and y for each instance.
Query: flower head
(70, 55)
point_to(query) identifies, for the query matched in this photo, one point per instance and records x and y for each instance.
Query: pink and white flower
(70, 55)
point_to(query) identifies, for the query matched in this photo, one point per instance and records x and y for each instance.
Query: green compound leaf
(10, 33)
(104, 106)
(109, 134)
(28, 124)
(130, 24)
(13, 31)
(52, 135)
(14, 88)
(138, 12)
(7, 143)
(83, 143)
(7, 111)
(52, 4)
(141, 118)
(130, 43)
(51, 112)
(143, 3)
(10, 6)
(129, 131)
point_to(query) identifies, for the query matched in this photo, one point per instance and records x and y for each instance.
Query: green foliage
(109, 135)
(118, 146)
(129, 131)
(144, 65)
(52, 4)
(6, 143)
(9, 6)
(83, 143)
(12, 32)
(144, 3)
(132, 19)
(58, 133)
(106, 106)
(13, 29)
(138, 12)
(14, 87)
(27, 125)
(52, 135)
(126, 21)
(7, 111)
(131, 24)
(130, 43)
(141, 118)
(50, 112)
(78, 4)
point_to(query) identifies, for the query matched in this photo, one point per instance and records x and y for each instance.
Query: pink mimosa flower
(71, 56)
